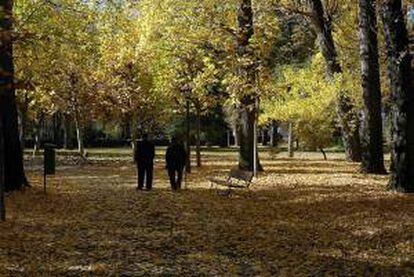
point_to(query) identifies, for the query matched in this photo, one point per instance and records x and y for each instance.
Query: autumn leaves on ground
(303, 216)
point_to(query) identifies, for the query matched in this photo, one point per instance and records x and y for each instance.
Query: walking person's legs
(179, 178)
(171, 175)
(141, 176)
(149, 176)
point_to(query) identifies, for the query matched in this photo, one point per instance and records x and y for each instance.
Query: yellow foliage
(306, 98)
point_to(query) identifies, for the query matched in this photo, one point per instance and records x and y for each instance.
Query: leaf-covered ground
(303, 216)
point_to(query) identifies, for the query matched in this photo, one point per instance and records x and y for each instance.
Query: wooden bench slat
(219, 181)
(236, 179)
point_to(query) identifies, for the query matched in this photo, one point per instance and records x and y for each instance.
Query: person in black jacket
(175, 162)
(144, 158)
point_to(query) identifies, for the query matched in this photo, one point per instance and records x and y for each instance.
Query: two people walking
(175, 159)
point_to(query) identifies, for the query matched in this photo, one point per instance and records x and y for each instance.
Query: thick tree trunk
(2, 176)
(23, 123)
(348, 117)
(246, 136)
(372, 143)
(13, 160)
(247, 112)
(402, 95)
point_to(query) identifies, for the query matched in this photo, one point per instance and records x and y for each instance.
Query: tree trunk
(76, 114)
(291, 149)
(246, 136)
(57, 129)
(13, 157)
(126, 127)
(236, 136)
(79, 136)
(37, 134)
(402, 95)
(198, 135)
(66, 131)
(323, 153)
(264, 137)
(372, 143)
(188, 139)
(23, 122)
(2, 173)
(134, 133)
(273, 134)
(247, 112)
(348, 117)
(36, 144)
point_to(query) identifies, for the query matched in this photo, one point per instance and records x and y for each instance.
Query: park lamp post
(186, 91)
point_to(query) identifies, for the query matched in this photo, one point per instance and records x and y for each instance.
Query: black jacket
(175, 157)
(144, 152)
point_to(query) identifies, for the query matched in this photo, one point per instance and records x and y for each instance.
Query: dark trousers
(145, 171)
(176, 176)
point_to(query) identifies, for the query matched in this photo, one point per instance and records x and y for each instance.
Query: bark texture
(371, 138)
(402, 96)
(13, 157)
(2, 176)
(348, 117)
(247, 113)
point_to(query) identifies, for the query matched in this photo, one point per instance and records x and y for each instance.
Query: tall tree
(347, 115)
(13, 157)
(402, 96)
(371, 140)
(248, 109)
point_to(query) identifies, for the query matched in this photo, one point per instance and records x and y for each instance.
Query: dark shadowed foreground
(303, 217)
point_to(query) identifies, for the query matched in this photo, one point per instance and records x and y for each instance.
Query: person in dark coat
(144, 158)
(175, 162)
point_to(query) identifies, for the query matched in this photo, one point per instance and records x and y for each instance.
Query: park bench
(236, 179)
